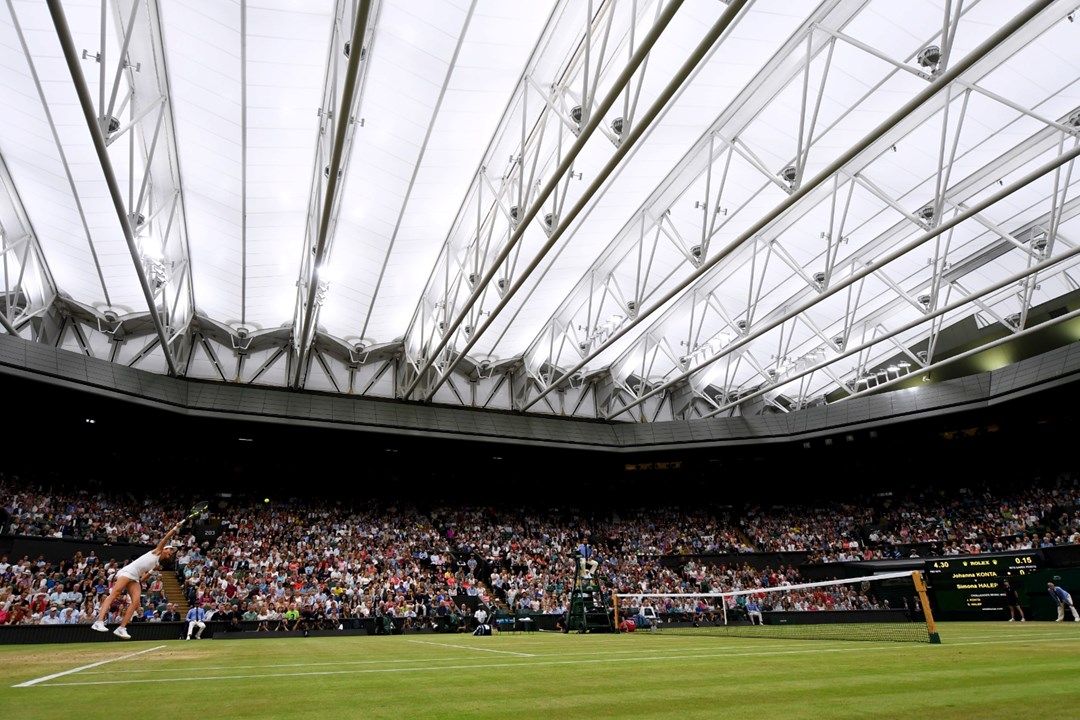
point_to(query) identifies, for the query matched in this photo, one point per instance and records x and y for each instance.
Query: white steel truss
(629, 210)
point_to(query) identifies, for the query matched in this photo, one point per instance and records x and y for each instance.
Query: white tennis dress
(138, 567)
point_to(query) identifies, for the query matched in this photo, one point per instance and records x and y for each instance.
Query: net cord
(772, 588)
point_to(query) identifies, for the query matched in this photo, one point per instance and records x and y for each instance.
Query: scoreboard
(974, 583)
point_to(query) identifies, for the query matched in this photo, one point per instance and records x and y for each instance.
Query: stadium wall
(24, 360)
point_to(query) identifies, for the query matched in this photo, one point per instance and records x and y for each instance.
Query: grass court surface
(985, 670)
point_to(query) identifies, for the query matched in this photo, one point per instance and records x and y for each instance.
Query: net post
(920, 587)
(615, 606)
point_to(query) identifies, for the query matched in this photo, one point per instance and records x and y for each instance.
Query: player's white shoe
(121, 632)
(99, 626)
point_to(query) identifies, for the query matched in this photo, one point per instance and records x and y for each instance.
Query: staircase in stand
(174, 591)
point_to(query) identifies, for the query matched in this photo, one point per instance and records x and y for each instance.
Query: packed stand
(318, 564)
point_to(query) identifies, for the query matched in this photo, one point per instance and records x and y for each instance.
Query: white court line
(343, 663)
(437, 668)
(28, 683)
(467, 647)
(487, 666)
(719, 653)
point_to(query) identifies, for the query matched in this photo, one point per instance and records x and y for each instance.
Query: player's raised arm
(164, 541)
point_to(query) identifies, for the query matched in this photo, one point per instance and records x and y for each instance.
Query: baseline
(29, 683)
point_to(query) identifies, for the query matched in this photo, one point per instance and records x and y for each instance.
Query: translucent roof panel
(696, 207)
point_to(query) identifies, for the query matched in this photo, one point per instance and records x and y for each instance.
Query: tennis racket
(196, 510)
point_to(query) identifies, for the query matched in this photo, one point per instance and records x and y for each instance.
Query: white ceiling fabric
(661, 209)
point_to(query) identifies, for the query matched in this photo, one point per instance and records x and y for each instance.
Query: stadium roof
(629, 210)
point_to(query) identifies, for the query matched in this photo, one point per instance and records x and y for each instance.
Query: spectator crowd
(311, 562)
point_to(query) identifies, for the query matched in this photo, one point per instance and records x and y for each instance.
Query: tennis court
(984, 670)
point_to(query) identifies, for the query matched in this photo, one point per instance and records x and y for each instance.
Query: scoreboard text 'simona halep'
(974, 583)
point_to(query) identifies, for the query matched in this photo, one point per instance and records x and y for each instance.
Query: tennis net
(886, 606)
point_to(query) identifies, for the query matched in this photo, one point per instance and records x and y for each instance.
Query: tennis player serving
(130, 578)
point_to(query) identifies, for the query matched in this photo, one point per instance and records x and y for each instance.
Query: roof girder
(919, 106)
